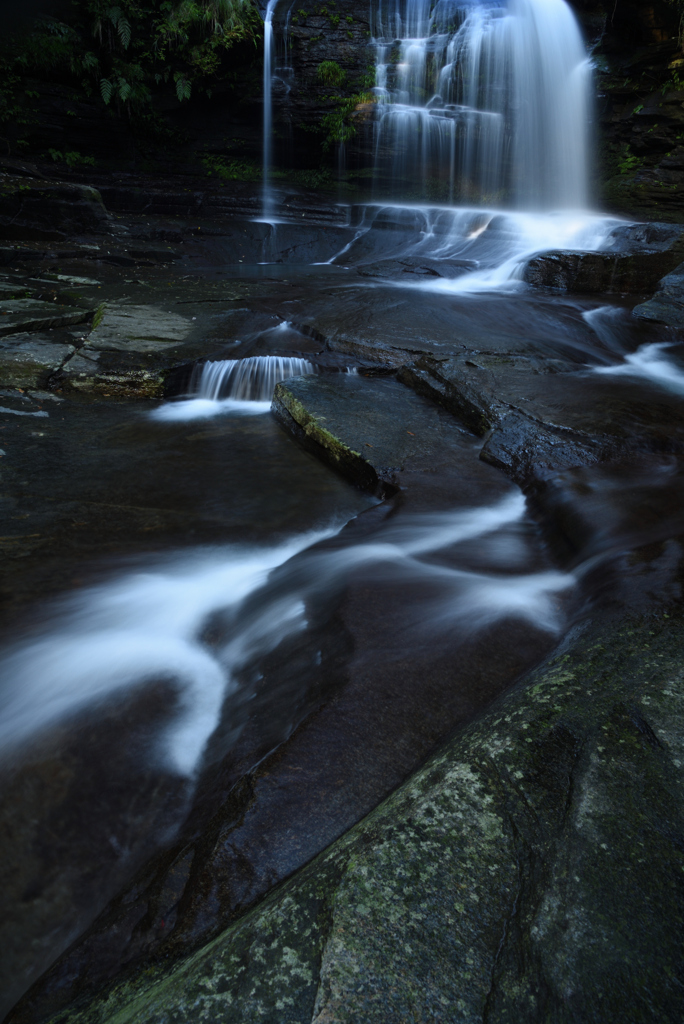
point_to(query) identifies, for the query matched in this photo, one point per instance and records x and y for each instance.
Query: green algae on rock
(368, 428)
(533, 870)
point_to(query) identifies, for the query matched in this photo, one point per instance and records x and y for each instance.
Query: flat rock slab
(139, 329)
(385, 324)
(667, 305)
(530, 871)
(32, 315)
(482, 388)
(29, 361)
(539, 416)
(368, 428)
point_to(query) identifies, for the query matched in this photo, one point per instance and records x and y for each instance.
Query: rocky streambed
(479, 819)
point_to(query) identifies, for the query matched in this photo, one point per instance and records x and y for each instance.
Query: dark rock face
(339, 33)
(503, 882)
(640, 114)
(667, 305)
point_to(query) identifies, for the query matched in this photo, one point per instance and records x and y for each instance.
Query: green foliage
(339, 125)
(231, 170)
(72, 158)
(330, 73)
(674, 83)
(98, 316)
(629, 162)
(122, 52)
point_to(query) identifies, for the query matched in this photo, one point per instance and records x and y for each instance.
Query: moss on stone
(533, 870)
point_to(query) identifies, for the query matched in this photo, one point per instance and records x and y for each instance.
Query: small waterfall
(483, 103)
(243, 386)
(246, 380)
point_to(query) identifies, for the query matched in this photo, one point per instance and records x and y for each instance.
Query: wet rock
(418, 267)
(667, 305)
(115, 373)
(540, 414)
(531, 870)
(30, 361)
(528, 450)
(446, 382)
(23, 314)
(600, 272)
(32, 208)
(636, 258)
(367, 428)
(138, 329)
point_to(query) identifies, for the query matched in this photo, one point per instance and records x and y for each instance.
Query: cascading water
(482, 102)
(267, 198)
(234, 385)
(278, 73)
(249, 380)
(484, 106)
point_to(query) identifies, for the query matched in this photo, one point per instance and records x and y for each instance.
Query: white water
(482, 250)
(649, 363)
(148, 625)
(488, 105)
(267, 197)
(490, 99)
(242, 386)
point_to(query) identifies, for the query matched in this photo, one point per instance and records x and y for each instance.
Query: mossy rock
(532, 871)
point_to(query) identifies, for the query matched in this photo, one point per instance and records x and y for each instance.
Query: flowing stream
(162, 669)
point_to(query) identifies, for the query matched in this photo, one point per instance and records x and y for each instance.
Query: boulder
(637, 257)
(32, 208)
(667, 305)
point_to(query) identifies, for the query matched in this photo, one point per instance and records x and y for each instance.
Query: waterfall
(267, 198)
(247, 380)
(242, 386)
(482, 103)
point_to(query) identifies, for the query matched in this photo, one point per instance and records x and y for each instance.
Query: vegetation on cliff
(123, 55)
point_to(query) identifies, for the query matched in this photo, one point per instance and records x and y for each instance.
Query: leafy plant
(71, 158)
(330, 73)
(231, 170)
(629, 162)
(338, 125)
(123, 51)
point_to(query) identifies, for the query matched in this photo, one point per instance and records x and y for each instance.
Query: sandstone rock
(638, 256)
(112, 373)
(367, 428)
